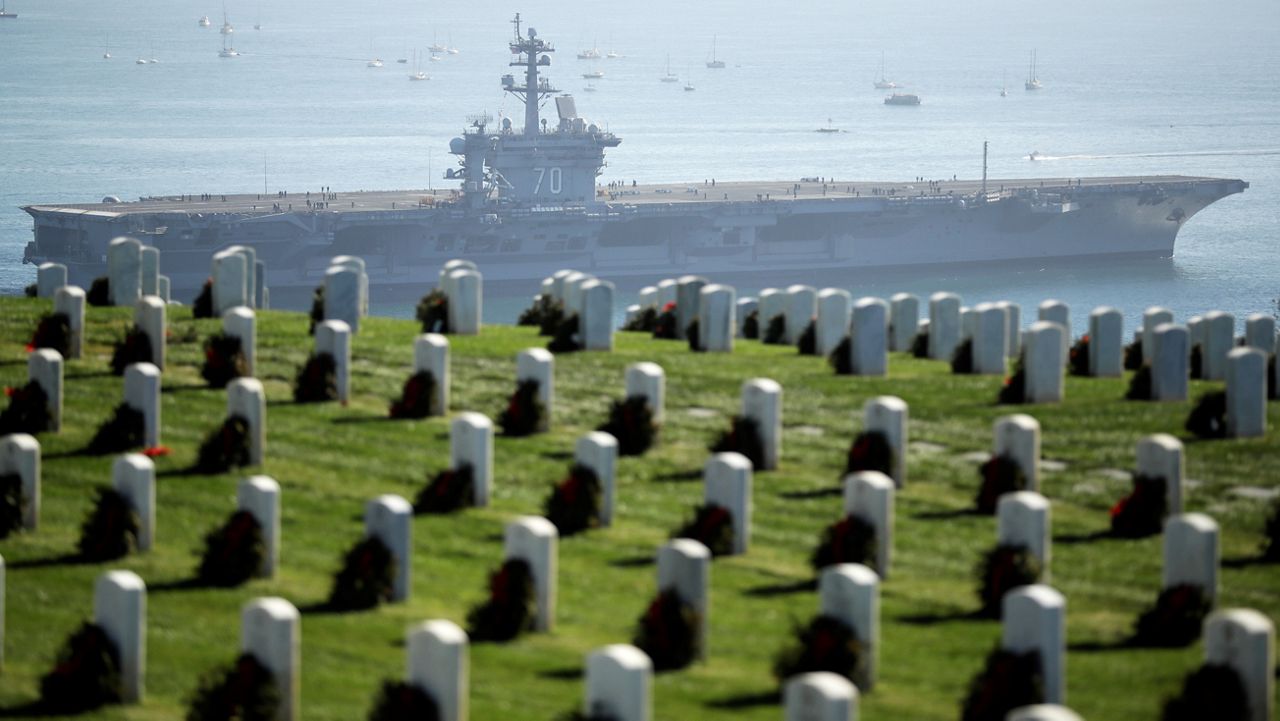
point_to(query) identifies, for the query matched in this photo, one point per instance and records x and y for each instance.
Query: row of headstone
(142, 394)
(242, 323)
(590, 299)
(431, 355)
(333, 337)
(869, 496)
(649, 381)
(539, 365)
(133, 271)
(346, 291)
(471, 444)
(149, 314)
(69, 300)
(45, 369)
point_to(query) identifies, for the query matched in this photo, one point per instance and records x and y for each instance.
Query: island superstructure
(529, 202)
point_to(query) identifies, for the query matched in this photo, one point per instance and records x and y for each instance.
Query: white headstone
(463, 264)
(431, 354)
(44, 367)
(688, 301)
(596, 321)
(762, 402)
(904, 317)
(357, 263)
(868, 495)
(802, 306)
(666, 292)
(250, 256)
(260, 497)
(539, 364)
(440, 665)
(1042, 354)
(599, 452)
(162, 288)
(471, 444)
(1220, 338)
(968, 322)
(1035, 619)
(133, 476)
(573, 292)
(1245, 640)
(850, 592)
(1198, 335)
(150, 259)
(20, 455)
(1246, 393)
(648, 380)
(944, 325)
(1191, 553)
(533, 539)
(716, 324)
(1106, 343)
(149, 315)
(1043, 712)
(120, 610)
(820, 696)
(684, 565)
(631, 314)
(888, 415)
(242, 323)
(1160, 456)
(869, 332)
(334, 337)
(649, 297)
(342, 296)
(230, 281)
(1023, 519)
(271, 630)
(142, 393)
(49, 278)
(773, 303)
(124, 271)
(619, 680)
(466, 302)
(989, 341)
(69, 300)
(1055, 311)
(389, 518)
(1013, 332)
(727, 483)
(745, 307)
(1260, 332)
(1018, 437)
(246, 399)
(1152, 318)
(834, 308)
(1170, 346)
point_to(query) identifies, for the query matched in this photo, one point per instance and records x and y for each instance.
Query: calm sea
(1139, 87)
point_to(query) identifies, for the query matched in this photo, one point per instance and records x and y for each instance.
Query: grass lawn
(330, 459)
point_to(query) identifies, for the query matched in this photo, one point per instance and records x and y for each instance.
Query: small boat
(1035, 155)
(375, 63)
(592, 54)
(204, 22)
(669, 78)
(106, 55)
(1004, 92)
(435, 58)
(594, 75)
(436, 47)
(450, 47)
(1033, 82)
(417, 73)
(5, 14)
(227, 28)
(688, 82)
(612, 55)
(419, 76)
(883, 83)
(828, 128)
(141, 61)
(902, 99)
(402, 61)
(713, 62)
(591, 88)
(227, 51)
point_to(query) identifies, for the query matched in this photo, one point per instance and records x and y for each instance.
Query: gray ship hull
(641, 234)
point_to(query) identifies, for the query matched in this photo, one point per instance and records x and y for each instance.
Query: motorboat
(902, 99)
(204, 22)
(375, 63)
(594, 75)
(828, 128)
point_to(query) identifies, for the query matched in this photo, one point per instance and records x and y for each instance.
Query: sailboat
(882, 83)
(5, 14)
(669, 78)
(713, 63)
(688, 80)
(435, 46)
(227, 51)
(227, 28)
(1004, 92)
(828, 128)
(1033, 83)
(106, 55)
(594, 74)
(417, 69)
(591, 54)
(451, 49)
(376, 62)
(257, 24)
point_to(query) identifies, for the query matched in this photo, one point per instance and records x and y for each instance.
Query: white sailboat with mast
(714, 63)
(883, 83)
(669, 78)
(1033, 82)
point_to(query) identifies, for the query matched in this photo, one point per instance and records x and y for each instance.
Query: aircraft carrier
(529, 202)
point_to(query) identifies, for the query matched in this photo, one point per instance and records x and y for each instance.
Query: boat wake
(1041, 157)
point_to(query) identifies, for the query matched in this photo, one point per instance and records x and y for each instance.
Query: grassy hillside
(329, 460)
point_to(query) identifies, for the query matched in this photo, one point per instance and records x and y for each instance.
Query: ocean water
(1140, 87)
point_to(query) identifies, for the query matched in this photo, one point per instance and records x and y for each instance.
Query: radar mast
(530, 52)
